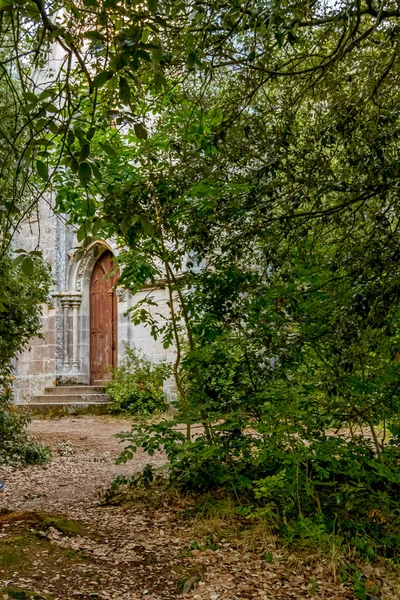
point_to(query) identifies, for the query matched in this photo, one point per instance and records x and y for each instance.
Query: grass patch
(20, 551)
(25, 541)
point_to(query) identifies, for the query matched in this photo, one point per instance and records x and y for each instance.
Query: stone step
(71, 399)
(75, 390)
(80, 404)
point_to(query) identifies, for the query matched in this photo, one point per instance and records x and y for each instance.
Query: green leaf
(157, 54)
(39, 124)
(46, 94)
(5, 5)
(88, 207)
(118, 62)
(19, 259)
(192, 60)
(102, 78)
(146, 225)
(54, 127)
(85, 151)
(84, 172)
(80, 134)
(107, 149)
(124, 90)
(74, 165)
(30, 97)
(81, 233)
(68, 37)
(96, 171)
(140, 131)
(96, 224)
(143, 55)
(90, 133)
(125, 225)
(27, 266)
(95, 36)
(159, 81)
(42, 170)
(153, 5)
(90, 3)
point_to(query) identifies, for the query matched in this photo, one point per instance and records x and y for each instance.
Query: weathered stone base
(27, 386)
(59, 410)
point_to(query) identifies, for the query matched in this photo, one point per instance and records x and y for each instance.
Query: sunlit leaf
(146, 225)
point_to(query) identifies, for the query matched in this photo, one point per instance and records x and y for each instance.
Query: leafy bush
(20, 310)
(137, 385)
(310, 492)
(16, 447)
(20, 297)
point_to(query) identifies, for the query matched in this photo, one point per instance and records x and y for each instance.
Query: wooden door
(103, 320)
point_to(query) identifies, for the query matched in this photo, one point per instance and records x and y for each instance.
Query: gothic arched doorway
(103, 320)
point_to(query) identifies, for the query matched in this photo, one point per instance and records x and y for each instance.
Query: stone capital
(69, 299)
(75, 302)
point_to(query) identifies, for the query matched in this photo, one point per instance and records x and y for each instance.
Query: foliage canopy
(245, 154)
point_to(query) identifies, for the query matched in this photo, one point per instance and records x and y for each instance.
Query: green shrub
(137, 385)
(16, 447)
(21, 296)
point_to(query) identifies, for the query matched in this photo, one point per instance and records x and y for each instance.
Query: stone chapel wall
(62, 355)
(36, 367)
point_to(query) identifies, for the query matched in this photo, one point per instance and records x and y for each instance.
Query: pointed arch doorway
(103, 320)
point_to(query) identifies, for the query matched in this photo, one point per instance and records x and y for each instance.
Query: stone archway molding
(75, 300)
(79, 271)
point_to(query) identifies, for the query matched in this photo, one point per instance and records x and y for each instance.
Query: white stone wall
(36, 368)
(43, 365)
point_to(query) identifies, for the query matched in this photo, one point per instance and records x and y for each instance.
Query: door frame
(114, 315)
(77, 282)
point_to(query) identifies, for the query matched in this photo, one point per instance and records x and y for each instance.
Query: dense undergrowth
(326, 490)
(17, 447)
(20, 314)
(213, 517)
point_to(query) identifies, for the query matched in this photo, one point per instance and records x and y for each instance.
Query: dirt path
(84, 453)
(138, 552)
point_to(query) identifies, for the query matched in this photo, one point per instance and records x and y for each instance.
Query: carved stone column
(65, 303)
(75, 303)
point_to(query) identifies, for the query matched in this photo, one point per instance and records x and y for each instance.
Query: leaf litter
(58, 541)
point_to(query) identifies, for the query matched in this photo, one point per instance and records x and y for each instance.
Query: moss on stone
(65, 526)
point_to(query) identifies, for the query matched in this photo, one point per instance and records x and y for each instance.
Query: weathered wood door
(103, 320)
